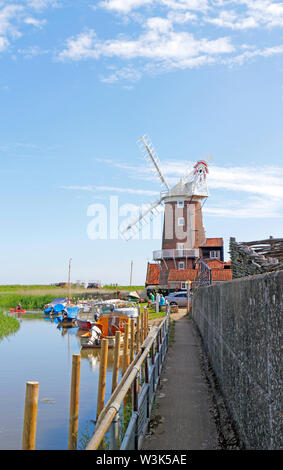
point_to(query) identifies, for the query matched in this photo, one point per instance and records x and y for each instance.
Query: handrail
(114, 403)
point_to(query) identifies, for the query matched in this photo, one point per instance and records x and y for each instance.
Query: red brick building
(184, 242)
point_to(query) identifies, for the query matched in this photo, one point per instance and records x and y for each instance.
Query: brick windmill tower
(183, 240)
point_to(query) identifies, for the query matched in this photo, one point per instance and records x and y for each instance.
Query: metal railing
(140, 381)
(184, 253)
(204, 275)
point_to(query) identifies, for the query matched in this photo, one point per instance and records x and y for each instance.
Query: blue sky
(82, 81)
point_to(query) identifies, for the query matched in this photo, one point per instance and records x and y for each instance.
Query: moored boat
(17, 310)
(69, 316)
(55, 307)
(112, 317)
(85, 324)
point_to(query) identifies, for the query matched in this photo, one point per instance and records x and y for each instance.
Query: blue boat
(68, 317)
(58, 308)
(55, 307)
(72, 312)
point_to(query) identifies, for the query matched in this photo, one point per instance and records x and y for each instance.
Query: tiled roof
(214, 263)
(213, 242)
(221, 274)
(152, 275)
(182, 275)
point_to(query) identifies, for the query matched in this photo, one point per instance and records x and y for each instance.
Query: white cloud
(35, 22)
(159, 44)
(124, 6)
(262, 187)
(143, 192)
(14, 15)
(248, 55)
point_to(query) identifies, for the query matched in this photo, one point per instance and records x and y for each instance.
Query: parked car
(177, 298)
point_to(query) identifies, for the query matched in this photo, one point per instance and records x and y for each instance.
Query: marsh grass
(8, 325)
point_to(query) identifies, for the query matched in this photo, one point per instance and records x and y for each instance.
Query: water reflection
(42, 352)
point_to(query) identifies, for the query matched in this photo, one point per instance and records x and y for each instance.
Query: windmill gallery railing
(182, 253)
(130, 404)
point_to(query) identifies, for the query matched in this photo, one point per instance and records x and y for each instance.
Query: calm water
(39, 351)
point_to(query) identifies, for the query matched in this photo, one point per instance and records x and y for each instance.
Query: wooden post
(74, 402)
(146, 322)
(141, 326)
(132, 344)
(102, 376)
(138, 335)
(116, 360)
(30, 417)
(188, 296)
(126, 346)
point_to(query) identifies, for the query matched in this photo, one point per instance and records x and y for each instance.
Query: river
(40, 351)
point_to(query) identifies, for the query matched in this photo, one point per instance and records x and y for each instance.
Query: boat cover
(58, 308)
(72, 312)
(61, 300)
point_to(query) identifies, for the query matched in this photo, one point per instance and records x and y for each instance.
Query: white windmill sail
(131, 227)
(150, 155)
(193, 184)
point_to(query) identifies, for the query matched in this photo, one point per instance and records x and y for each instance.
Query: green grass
(152, 315)
(28, 302)
(127, 288)
(8, 325)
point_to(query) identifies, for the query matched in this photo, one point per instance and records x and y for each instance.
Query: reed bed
(8, 325)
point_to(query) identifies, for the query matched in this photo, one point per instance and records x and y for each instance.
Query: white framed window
(214, 254)
(181, 265)
(183, 285)
(180, 246)
(181, 221)
(180, 204)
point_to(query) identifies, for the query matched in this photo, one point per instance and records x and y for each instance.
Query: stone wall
(240, 322)
(258, 257)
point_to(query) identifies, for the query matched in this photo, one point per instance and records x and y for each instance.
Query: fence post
(30, 417)
(74, 402)
(114, 433)
(102, 376)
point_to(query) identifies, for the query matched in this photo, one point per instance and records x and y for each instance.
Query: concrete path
(183, 412)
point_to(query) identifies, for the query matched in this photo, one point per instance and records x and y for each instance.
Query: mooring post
(116, 360)
(141, 326)
(114, 427)
(126, 346)
(74, 402)
(145, 320)
(102, 376)
(132, 345)
(138, 336)
(30, 417)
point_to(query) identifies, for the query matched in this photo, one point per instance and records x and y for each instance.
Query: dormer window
(214, 254)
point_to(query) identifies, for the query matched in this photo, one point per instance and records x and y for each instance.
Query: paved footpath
(183, 400)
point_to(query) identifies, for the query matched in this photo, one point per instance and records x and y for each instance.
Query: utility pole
(131, 274)
(69, 281)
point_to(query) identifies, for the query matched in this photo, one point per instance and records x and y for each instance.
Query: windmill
(192, 187)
